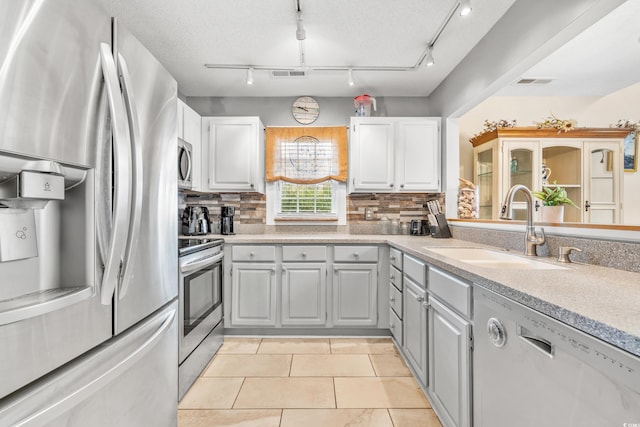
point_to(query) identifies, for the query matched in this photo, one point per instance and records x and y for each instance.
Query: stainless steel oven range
(200, 299)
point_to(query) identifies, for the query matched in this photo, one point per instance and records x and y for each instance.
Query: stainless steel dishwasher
(531, 370)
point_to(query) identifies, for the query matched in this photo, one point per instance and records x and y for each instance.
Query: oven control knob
(497, 332)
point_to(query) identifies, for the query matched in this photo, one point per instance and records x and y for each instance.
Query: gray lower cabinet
(253, 295)
(414, 320)
(355, 295)
(304, 294)
(449, 364)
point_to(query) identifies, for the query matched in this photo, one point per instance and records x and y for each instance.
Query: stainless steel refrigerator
(88, 210)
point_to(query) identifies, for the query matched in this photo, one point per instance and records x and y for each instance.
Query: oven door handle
(196, 265)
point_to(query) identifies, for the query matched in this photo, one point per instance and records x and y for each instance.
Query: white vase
(552, 213)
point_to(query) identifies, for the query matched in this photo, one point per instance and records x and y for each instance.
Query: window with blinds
(306, 198)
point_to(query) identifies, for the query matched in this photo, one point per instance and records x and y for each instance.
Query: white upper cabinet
(234, 154)
(394, 154)
(418, 155)
(190, 130)
(372, 155)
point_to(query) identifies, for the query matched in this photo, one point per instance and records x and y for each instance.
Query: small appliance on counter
(419, 227)
(226, 219)
(195, 220)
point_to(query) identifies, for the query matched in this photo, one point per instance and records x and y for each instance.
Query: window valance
(306, 155)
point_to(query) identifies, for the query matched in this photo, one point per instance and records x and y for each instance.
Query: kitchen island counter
(602, 302)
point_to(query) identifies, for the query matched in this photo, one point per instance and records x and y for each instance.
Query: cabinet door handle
(587, 205)
(419, 299)
(252, 254)
(391, 185)
(401, 185)
(335, 270)
(392, 326)
(392, 258)
(273, 270)
(392, 299)
(356, 254)
(426, 304)
(392, 277)
(304, 254)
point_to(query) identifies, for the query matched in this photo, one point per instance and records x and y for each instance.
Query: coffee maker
(226, 219)
(195, 220)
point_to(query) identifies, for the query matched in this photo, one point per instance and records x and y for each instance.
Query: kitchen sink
(493, 259)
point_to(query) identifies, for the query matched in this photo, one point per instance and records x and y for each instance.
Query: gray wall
(333, 111)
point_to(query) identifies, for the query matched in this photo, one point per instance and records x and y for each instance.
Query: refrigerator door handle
(122, 177)
(136, 174)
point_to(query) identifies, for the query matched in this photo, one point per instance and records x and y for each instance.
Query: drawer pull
(426, 305)
(356, 254)
(252, 254)
(304, 254)
(392, 277)
(392, 299)
(392, 258)
(419, 299)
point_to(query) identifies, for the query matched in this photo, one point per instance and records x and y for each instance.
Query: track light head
(428, 60)
(301, 34)
(249, 76)
(465, 7)
(351, 81)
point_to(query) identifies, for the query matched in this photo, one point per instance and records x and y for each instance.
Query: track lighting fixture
(249, 76)
(462, 7)
(465, 7)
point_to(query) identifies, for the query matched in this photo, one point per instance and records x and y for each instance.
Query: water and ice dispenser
(20, 193)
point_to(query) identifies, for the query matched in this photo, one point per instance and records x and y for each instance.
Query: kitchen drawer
(452, 290)
(304, 253)
(253, 253)
(415, 269)
(395, 258)
(395, 300)
(356, 254)
(395, 277)
(395, 326)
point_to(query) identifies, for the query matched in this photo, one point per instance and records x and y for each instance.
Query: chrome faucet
(531, 240)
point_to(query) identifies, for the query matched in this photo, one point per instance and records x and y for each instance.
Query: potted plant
(553, 197)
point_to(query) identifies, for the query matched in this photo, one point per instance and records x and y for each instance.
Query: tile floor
(308, 382)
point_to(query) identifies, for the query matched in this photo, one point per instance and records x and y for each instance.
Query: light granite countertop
(602, 302)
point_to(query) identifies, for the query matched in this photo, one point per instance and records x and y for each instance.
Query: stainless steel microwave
(185, 164)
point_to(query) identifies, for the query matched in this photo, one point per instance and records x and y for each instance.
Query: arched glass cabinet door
(602, 197)
(522, 167)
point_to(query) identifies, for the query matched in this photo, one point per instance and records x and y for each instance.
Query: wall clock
(305, 110)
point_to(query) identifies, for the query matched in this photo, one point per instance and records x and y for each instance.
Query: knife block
(441, 228)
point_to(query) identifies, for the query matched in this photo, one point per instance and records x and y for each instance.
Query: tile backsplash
(251, 208)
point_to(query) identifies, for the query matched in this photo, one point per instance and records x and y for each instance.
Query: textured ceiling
(603, 59)
(184, 35)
